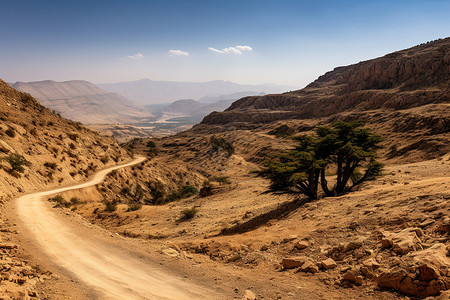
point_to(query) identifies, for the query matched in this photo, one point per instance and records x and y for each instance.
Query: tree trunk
(324, 184)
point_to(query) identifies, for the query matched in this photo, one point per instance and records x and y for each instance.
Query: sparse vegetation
(151, 144)
(50, 165)
(346, 147)
(188, 213)
(218, 143)
(10, 132)
(206, 189)
(110, 206)
(282, 131)
(134, 206)
(184, 192)
(61, 202)
(222, 180)
(157, 191)
(17, 162)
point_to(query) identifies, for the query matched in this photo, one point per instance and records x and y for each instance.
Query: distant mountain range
(84, 102)
(147, 91)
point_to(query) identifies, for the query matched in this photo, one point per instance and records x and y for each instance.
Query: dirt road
(112, 271)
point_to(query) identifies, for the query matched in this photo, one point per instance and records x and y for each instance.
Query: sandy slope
(112, 271)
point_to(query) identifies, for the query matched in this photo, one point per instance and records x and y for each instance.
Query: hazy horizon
(252, 42)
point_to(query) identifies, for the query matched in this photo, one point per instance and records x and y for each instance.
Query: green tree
(346, 147)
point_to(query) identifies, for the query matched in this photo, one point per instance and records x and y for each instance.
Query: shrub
(282, 131)
(10, 132)
(73, 136)
(184, 192)
(59, 201)
(188, 213)
(134, 206)
(157, 191)
(104, 159)
(110, 206)
(206, 189)
(50, 165)
(17, 162)
(151, 144)
(218, 143)
(75, 201)
(222, 180)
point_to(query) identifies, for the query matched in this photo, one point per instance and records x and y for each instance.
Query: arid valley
(338, 190)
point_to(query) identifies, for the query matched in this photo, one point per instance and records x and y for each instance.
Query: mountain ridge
(408, 78)
(146, 91)
(83, 101)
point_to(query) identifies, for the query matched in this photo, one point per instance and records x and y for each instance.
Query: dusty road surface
(113, 272)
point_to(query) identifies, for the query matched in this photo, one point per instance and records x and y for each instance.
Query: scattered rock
(290, 238)
(300, 245)
(353, 277)
(293, 262)
(404, 241)
(328, 263)
(309, 266)
(171, 252)
(234, 257)
(249, 295)
(352, 246)
(371, 264)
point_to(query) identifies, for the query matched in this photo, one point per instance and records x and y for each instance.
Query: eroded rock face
(404, 241)
(400, 80)
(427, 274)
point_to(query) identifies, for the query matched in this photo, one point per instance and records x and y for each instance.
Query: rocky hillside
(40, 149)
(400, 80)
(84, 102)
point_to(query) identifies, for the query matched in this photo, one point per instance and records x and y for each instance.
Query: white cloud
(177, 53)
(215, 50)
(231, 50)
(244, 48)
(136, 56)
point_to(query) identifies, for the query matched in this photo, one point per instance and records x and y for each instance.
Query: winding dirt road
(110, 270)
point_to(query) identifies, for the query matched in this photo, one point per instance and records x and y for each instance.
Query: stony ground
(387, 240)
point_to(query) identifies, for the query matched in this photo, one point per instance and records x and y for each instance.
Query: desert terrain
(194, 219)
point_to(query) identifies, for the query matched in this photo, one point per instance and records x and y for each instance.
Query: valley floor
(410, 196)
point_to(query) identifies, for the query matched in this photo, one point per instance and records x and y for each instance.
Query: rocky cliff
(400, 80)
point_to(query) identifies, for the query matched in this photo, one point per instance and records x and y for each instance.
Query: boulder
(371, 263)
(309, 266)
(293, 262)
(352, 246)
(404, 241)
(428, 279)
(289, 238)
(353, 277)
(249, 295)
(171, 252)
(328, 263)
(300, 245)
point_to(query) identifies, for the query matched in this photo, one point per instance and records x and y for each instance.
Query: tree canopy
(344, 147)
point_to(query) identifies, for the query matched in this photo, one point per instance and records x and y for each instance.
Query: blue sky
(246, 41)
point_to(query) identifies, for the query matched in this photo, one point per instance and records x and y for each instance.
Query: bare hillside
(40, 149)
(84, 102)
